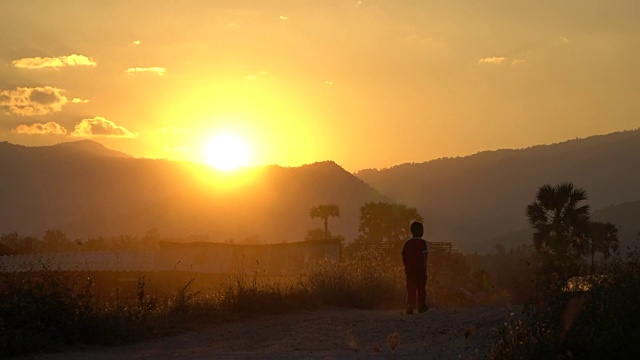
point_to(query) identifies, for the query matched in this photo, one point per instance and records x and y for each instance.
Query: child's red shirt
(413, 257)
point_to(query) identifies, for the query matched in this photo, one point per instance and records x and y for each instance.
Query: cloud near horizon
(497, 60)
(26, 101)
(160, 71)
(99, 126)
(53, 62)
(50, 128)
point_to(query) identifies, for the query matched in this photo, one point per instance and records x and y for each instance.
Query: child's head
(417, 230)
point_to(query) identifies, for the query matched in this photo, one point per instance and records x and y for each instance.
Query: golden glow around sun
(226, 152)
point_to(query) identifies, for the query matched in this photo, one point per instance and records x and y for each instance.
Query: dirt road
(325, 334)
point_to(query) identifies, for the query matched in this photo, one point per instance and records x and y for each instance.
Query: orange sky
(368, 84)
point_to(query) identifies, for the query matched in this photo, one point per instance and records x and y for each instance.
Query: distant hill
(273, 207)
(469, 200)
(81, 148)
(87, 190)
(45, 187)
(87, 147)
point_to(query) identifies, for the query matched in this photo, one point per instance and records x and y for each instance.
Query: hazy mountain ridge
(272, 208)
(476, 201)
(46, 187)
(87, 148)
(87, 190)
(471, 199)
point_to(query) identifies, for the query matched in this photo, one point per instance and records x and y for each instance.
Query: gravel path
(324, 334)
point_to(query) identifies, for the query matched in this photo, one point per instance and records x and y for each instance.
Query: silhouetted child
(414, 257)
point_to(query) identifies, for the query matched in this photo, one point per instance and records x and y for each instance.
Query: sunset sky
(368, 84)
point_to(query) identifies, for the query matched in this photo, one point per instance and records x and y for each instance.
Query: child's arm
(425, 254)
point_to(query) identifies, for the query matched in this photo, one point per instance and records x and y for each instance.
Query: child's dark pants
(416, 286)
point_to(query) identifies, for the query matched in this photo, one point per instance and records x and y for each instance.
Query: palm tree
(560, 223)
(603, 238)
(325, 212)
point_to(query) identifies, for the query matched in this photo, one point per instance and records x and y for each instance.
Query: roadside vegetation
(51, 311)
(584, 292)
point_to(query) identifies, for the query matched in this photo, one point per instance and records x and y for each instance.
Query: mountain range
(476, 201)
(87, 190)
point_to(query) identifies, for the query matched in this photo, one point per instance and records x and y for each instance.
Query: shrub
(601, 323)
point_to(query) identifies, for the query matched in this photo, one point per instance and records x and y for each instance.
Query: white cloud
(497, 60)
(53, 62)
(282, 17)
(99, 126)
(50, 128)
(136, 42)
(328, 82)
(142, 70)
(517, 62)
(25, 101)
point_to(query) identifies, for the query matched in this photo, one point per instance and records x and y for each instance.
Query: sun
(226, 152)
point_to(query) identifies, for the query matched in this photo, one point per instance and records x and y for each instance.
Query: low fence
(272, 259)
(79, 261)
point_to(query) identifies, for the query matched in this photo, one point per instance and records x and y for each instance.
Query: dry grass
(69, 310)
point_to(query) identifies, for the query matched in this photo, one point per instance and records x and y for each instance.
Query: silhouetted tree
(561, 225)
(18, 244)
(325, 212)
(603, 238)
(383, 222)
(55, 240)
